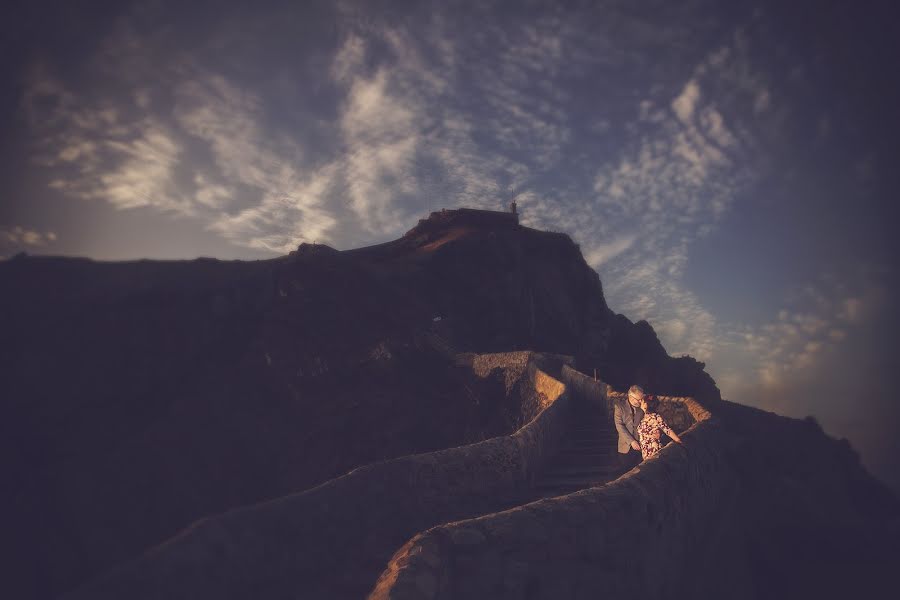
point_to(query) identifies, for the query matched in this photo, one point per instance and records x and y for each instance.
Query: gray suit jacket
(627, 424)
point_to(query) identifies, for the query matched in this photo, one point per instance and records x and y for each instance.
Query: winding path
(587, 456)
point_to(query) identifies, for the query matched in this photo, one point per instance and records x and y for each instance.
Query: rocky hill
(140, 396)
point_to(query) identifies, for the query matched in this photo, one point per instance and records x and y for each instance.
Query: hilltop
(142, 395)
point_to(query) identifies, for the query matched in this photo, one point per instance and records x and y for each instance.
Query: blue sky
(727, 170)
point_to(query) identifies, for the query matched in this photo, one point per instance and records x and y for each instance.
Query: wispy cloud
(458, 110)
(418, 119)
(18, 237)
(671, 187)
(209, 157)
(434, 125)
(280, 220)
(406, 136)
(816, 319)
(423, 120)
(381, 134)
(603, 253)
(686, 102)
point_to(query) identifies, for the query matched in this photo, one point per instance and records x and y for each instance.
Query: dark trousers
(629, 460)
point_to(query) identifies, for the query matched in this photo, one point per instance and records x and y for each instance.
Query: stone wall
(512, 363)
(638, 536)
(332, 541)
(673, 409)
(588, 389)
(539, 440)
(532, 397)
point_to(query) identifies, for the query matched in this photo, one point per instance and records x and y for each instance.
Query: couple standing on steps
(639, 426)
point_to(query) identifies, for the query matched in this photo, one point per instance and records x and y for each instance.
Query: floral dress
(648, 433)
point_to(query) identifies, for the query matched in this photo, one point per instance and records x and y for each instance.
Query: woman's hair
(652, 403)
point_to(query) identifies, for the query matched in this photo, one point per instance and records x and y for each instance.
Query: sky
(727, 168)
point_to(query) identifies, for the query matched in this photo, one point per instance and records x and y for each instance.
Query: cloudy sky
(727, 171)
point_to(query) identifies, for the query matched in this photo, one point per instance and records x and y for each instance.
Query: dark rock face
(754, 505)
(511, 287)
(138, 397)
(813, 522)
(332, 541)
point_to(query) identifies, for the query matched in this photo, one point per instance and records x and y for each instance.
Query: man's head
(635, 393)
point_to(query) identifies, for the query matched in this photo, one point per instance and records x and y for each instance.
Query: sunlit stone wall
(674, 409)
(636, 537)
(588, 389)
(332, 541)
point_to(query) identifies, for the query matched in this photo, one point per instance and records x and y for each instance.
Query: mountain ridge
(144, 395)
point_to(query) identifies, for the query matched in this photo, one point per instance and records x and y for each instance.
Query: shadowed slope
(140, 396)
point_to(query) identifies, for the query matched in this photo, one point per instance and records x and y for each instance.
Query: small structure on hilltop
(470, 217)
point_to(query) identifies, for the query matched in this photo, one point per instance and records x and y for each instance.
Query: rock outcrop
(139, 397)
(753, 505)
(333, 540)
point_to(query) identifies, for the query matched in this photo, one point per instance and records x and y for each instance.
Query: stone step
(590, 447)
(588, 443)
(591, 430)
(591, 441)
(607, 442)
(591, 434)
(587, 449)
(579, 445)
(578, 463)
(579, 470)
(582, 467)
(570, 449)
(571, 483)
(577, 460)
(573, 475)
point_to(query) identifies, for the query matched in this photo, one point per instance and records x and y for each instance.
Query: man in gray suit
(627, 416)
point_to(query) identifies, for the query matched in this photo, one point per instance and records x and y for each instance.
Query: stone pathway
(587, 458)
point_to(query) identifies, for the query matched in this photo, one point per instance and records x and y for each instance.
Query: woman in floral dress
(651, 426)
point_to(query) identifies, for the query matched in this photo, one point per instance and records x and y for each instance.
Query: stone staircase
(588, 455)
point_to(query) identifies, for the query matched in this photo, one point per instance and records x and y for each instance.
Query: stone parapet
(640, 534)
(588, 389)
(679, 412)
(333, 540)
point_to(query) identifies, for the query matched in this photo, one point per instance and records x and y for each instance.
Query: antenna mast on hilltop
(513, 194)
